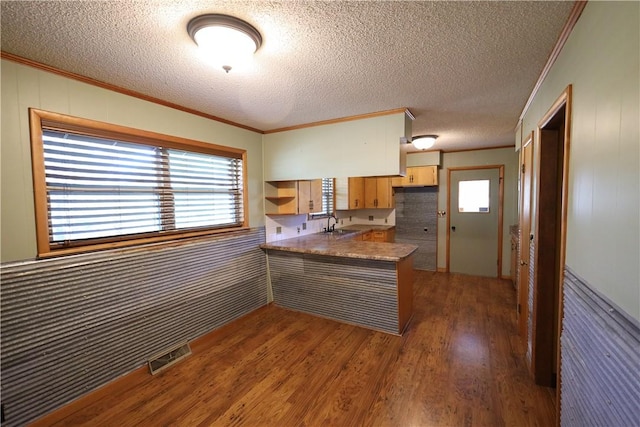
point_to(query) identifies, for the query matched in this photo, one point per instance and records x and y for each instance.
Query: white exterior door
(474, 207)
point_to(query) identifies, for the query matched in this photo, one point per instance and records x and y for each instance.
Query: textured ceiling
(464, 69)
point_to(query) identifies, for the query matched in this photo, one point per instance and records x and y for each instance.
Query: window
(327, 199)
(473, 196)
(98, 185)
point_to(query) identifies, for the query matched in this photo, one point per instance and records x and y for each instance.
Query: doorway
(549, 240)
(474, 223)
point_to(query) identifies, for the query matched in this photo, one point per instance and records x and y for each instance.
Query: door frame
(542, 364)
(500, 210)
(524, 220)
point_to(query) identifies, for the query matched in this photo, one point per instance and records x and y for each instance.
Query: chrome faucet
(333, 227)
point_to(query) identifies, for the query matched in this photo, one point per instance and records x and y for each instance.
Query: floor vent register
(168, 358)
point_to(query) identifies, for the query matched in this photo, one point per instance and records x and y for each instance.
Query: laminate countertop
(342, 244)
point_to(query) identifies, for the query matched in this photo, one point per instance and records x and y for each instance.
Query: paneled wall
(72, 324)
(599, 342)
(24, 87)
(601, 62)
(336, 150)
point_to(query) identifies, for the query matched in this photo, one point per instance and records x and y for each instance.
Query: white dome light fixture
(424, 142)
(227, 40)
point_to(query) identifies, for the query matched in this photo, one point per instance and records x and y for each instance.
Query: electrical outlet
(298, 230)
(349, 218)
(342, 222)
(278, 230)
(304, 225)
(386, 220)
(370, 217)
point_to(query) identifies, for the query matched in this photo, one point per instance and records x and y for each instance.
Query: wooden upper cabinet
(293, 197)
(309, 196)
(356, 193)
(281, 197)
(425, 175)
(378, 193)
(417, 176)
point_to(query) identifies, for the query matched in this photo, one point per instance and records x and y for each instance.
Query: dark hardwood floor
(460, 363)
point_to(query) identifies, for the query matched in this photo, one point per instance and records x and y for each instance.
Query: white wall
(601, 61)
(364, 147)
(24, 87)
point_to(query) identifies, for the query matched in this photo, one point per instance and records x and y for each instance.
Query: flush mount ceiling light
(226, 40)
(423, 142)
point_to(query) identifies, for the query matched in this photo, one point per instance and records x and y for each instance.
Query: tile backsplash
(280, 227)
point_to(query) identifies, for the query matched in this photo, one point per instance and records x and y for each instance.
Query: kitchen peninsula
(339, 276)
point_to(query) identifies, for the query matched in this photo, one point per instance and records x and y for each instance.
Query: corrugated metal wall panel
(362, 292)
(72, 324)
(600, 360)
(532, 270)
(417, 223)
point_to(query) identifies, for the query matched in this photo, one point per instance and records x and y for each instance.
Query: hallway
(459, 363)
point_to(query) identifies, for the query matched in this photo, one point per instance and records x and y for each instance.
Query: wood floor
(459, 363)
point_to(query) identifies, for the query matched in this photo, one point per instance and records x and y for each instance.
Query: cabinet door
(384, 191)
(304, 196)
(401, 181)
(379, 236)
(316, 195)
(425, 175)
(370, 193)
(356, 193)
(378, 193)
(391, 235)
(422, 175)
(309, 196)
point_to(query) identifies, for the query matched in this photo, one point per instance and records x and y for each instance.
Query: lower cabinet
(378, 236)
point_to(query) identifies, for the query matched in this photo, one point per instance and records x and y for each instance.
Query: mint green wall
(427, 158)
(499, 156)
(24, 87)
(601, 61)
(364, 147)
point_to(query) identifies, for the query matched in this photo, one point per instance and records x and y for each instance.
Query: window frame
(40, 119)
(479, 211)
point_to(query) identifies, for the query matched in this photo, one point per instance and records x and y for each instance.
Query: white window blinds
(327, 198)
(100, 188)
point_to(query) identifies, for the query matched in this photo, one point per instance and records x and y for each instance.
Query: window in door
(474, 196)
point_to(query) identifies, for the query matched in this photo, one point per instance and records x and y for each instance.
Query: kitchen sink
(339, 232)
